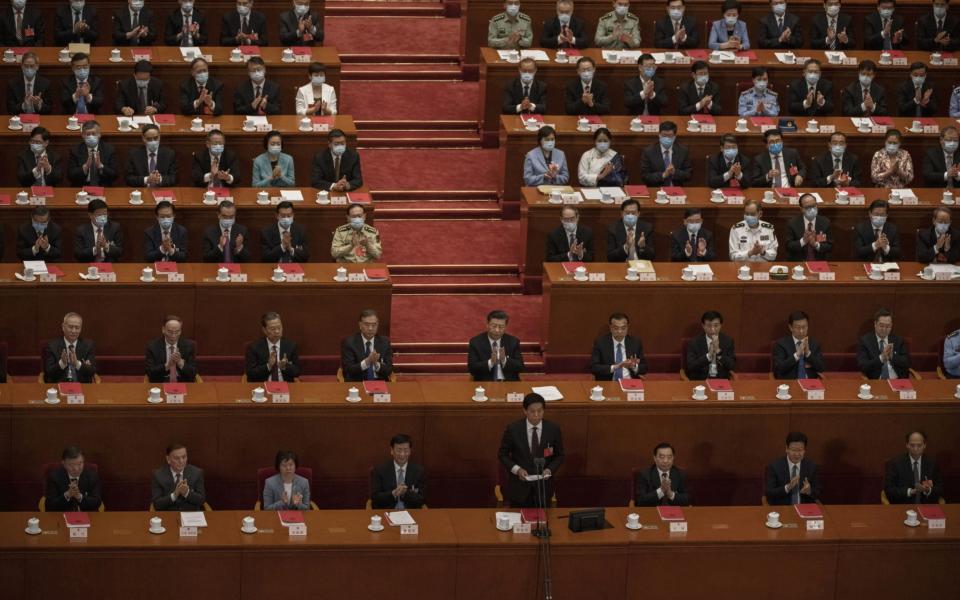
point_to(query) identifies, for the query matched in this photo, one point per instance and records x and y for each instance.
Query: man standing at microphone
(524, 442)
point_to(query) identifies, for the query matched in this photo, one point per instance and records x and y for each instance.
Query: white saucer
(196, 129)
(900, 201)
(872, 278)
(305, 129)
(12, 128)
(635, 278)
(115, 59)
(867, 397)
(339, 280)
(253, 530)
(73, 127)
(773, 525)
(905, 522)
(288, 60)
(842, 202)
(260, 401)
(633, 527)
(152, 401)
(718, 200)
(227, 280)
(688, 278)
(353, 400)
(555, 201)
(9, 60)
(124, 130)
(372, 528)
(747, 278)
(88, 277)
(585, 278)
(795, 278)
(770, 201)
(583, 129)
(262, 202)
(82, 202)
(475, 399)
(158, 531)
(664, 201)
(236, 60)
(249, 130)
(275, 280)
(915, 130)
(63, 60)
(21, 202)
(744, 130)
(600, 399)
(808, 130)
(610, 201)
(636, 129)
(136, 202)
(324, 202)
(703, 397)
(787, 397)
(498, 529)
(57, 401)
(28, 531)
(22, 278)
(949, 203)
(147, 280)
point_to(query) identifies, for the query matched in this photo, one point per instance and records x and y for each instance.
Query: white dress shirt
(306, 97)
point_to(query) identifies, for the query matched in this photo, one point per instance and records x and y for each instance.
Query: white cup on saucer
(223, 274)
(947, 197)
(353, 394)
(744, 272)
(323, 197)
(146, 274)
(561, 55)
(258, 394)
(83, 197)
(210, 197)
(287, 54)
(912, 519)
(503, 523)
(236, 55)
(9, 55)
(741, 124)
(154, 395)
(341, 274)
(865, 391)
(633, 521)
(661, 196)
(876, 272)
(773, 519)
(115, 54)
(196, 124)
(248, 124)
(15, 122)
(278, 275)
(885, 58)
(136, 197)
(613, 57)
(699, 392)
(52, 396)
(813, 126)
(248, 525)
(843, 197)
(596, 393)
(263, 197)
(28, 274)
(306, 124)
(125, 124)
(64, 55)
(33, 525)
(936, 58)
(23, 197)
(580, 274)
(93, 272)
(790, 58)
(687, 274)
(716, 195)
(783, 391)
(669, 57)
(583, 125)
(864, 127)
(156, 525)
(798, 272)
(636, 124)
(916, 126)
(956, 393)
(632, 274)
(479, 394)
(693, 125)
(376, 523)
(555, 197)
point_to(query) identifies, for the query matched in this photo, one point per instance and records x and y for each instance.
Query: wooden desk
(192, 213)
(538, 217)
(122, 317)
(755, 313)
(248, 145)
(496, 73)
(170, 67)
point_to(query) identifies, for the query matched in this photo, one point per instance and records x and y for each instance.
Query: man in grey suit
(398, 483)
(178, 486)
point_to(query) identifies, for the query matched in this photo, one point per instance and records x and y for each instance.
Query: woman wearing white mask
(545, 164)
(601, 166)
(891, 166)
(729, 33)
(273, 168)
(317, 97)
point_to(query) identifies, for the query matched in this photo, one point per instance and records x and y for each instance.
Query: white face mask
(318, 80)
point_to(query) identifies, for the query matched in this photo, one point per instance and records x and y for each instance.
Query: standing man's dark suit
(156, 360)
(770, 33)
(906, 100)
(58, 482)
(899, 478)
(289, 30)
(27, 162)
(175, 26)
(85, 353)
(211, 244)
(698, 365)
(688, 98)
(853, 97)
(85, 238)
(271, 251)
(324, 174)
(68, 87)
(153, 241)
(189, 92)
(663, 33)
(617, 238)
(31, 26)
(27, 237)
(935, 167)
(230, 27)
(17, 91)
(515, 451)
(818, 32)
(795, 229)
(636, 103)
(822, 168)
(647, 483)
(138, 166)
(383, 480)
(163, 486)
(128, 94)
(63, 33)
(244, 95)
(353, 351)
(103, 177)
(480, 352)
(873, 32)
(717, 166)
(678, 242)
(927, 32)
(603, 356)
(927, 251)
(573, 98)
(762, 165)
(201, 166)
(122, 25)
(558, 244)
(513, 95)
(778, 476)
(864, 237)
(552, 28)
(785, 362)
(652, 166)
(798, 94)
(258, 354)
(868, 356)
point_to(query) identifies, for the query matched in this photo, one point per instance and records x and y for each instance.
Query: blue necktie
(81, 105)
(801, 366)
(400, 480)
(885, 369)
(371, 374)
(887, 41)
(666, 163)
(795, 495)
(618, 358)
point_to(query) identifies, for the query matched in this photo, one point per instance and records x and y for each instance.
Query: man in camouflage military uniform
(356, 242)
(619, 29)
(511, 28)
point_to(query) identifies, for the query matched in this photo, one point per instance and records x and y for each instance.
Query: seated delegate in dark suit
(31, 27)
(666, 30)
(228, 166)
(569, 34)
(248, 29)
(656, 171)
(327, 174)
(186, 29)
(720, 167)
(796, 355)
(617, 355)
(792, 479)
(130, 97)
(17, 92)
(27, 172)
(102, 168)
(917, 100)
(884, 31)
(138, 169)
(890, 362)
(518, 90)
(506, 363)
(70, 358)
(225, 242)
(790, 169)
(100, 240)
(559, 240)
(808, 234)
(72, 26)
(92, 99)
(629, 226)
(258, 96)
(40, 238)
(357, 358)
(165, 240)
(585, 95)
(692, 98)
(662, 484)
(704, 362)
(773, 27)
(832, 32)
(284, 241)
(854, 95)
(178, 485)
(913, 477)
(692, 243)
(825, 168)
(635, 90)
(811, 95)
(134, 27)
(939, 243)
(938, 31)
(941, 164)
(171, 358)
(272, 357)
(411, 492)
(876, 239)
(526, 442)
(200, 94)
(71, 487)
(300, 26)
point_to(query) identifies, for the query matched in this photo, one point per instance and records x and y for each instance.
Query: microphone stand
(542, 530)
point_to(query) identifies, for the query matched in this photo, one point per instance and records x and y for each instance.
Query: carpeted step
(419, 139)
(435, 319)
(417, 169)
(450, 242)
(374, 70)
(425, 8)
(392, 35)
(449, 363)
(456, 284)
(438, 209)
(407, 100)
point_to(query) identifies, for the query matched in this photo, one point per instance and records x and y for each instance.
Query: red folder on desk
(288, 517)
(808, 511)
(930, 511)
(671, 513)
(818, 266)
(175, 388)
(291, 268)
(233, 268)
(375, 386)
(94, 190)
(276, 387)
(41, 191)
(760, 121)
(76, 519)
(302, 50)
(165, 266)
(719, 385)
(631, 385)
(900, 385)
(321, 120)
(810, 384)
(103, 267)
(85, 117)
(30, 118)
(637, 191)
(54, 270)
(359, 197)
(702, 118)
(748, 53)
(571, 266)
(70, 389)
(592, 119)
(164, 119)
(250, 50)
(698, 54)
(533, 515)
(674, 190)
(886, 121)
(4, 199)
(376, 274)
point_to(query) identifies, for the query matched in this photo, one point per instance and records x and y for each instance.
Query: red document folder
(375, 387)
(809, 511)
(76, 519)
(670, 513)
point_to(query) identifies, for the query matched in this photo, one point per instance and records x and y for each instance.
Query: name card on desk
(175, 277)
(741, 60)
(878, 128)
(78, 533)
(708, 128)
(942, 276)
(891, 276)
(931, 129)
(596, 276)
(651, 128)
(514, 397)
(47, 277)
(190, 531)
(828, 276)
(701, 276)
(678, 199)
(175, 392)
(761, 276)
(353, 277)
(295, 277)
(37, 201)
(814, 524)
(635, 396)
(828, 129)
(108, 277)
(238, 277)
(338, 200)
(297, 529)
(899, 61)
(521, 528)
(911, 201)
(848, 61)
(735, 200)
(678, 526)
(381, 398)
(412, 529)
(75, 398)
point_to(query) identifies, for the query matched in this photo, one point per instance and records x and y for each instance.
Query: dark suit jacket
(288, 29)
(383, 480)
(762, 166)
(868, 356)
(795, 229)
(558, 244)
(63, 32)
(778, 476)
(633, 87)
(873, 32)
(515, 450)
(798, 93)
(663, 33)
(853, 97)
(647, 483)
(58, 482)
(138, 166)
(162, 486)
(211, 244)
(927, 32)
(818, 31)
(651, 164)
(935, 165)
(27, 237)
(863, 238)
(717, 166)
(85, 352)
(69, 85)
(688, 98)
(156, 360)
(770, 34)
(32, 20)
(84, 239)
(899, 478)
(230, 27)
(480, 352)
(258, 353)
(128, 94)
(152, 241)
(572, 98)
(927, 246)
(678, 240)
(272, 252)
(243, 97)
(189, 93)
(513, 95)
(617, 237)
(16, 91)
(603, 356)
(201, 166)
(785, 365)
(822, 168)
(907, 107)
(175, 26)
(122, 26)
(551, 30)
(353, 351)
(78, 157)
(324, 176)
(698, 365)
(27, 162)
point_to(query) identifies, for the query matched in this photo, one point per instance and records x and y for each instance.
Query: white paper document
(193, 519)
(700, 269)
(39, 266)
(887, 266)
(191, 52)
(513, 517)
(903, 193)
(549, 392)
(629, 55)
(537, 477)
(292, 195)
(535, 55)
(400, 517)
